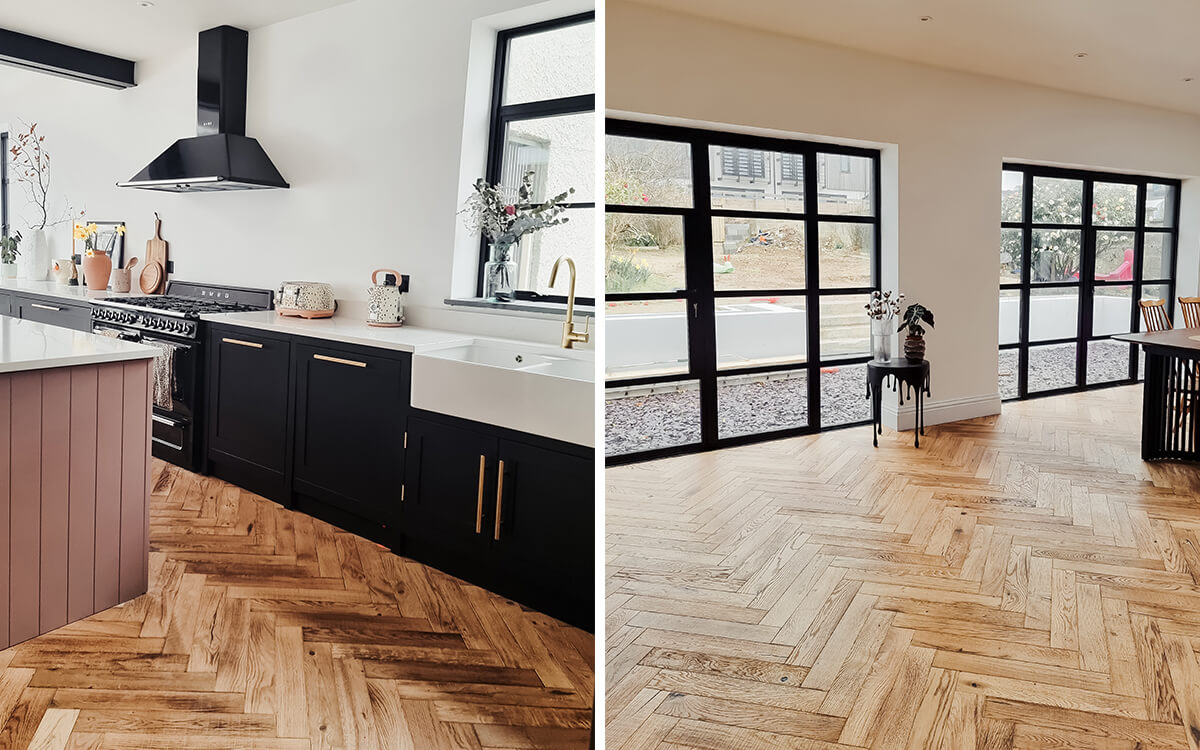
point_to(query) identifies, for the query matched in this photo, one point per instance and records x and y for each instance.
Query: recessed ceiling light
(1080, 55)
(926, 19)
(145, 4)
(1189, 79)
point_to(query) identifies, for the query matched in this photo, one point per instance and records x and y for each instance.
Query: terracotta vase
(96, 270)
(914, 348)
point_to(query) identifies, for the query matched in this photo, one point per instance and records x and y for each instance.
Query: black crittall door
(449, 496)
(737, 269)
(351, 409)
(545, 509)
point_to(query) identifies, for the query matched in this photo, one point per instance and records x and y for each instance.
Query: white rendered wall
(362, 107)
(944, 136)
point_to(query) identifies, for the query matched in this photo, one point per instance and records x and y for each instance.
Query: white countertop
(54, 289)
(345, 329)
(29, 345)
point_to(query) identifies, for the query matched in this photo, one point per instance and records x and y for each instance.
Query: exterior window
(734, 294)
(1077, 250)
(543, 122)
(4, 184)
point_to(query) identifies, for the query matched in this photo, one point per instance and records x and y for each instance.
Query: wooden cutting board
(156, 252)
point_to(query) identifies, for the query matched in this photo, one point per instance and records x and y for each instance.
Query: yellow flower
(92, 228)
(120, 229)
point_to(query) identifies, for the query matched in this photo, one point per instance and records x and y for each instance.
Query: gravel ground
(1053, 367)
(660, 420)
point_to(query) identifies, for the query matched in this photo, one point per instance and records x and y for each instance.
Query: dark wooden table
(1170, 393)
(904, 374)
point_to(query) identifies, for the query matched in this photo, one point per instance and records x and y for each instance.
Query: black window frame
(1087, 283)
(4, 227)
(502, 114)
(701, 297)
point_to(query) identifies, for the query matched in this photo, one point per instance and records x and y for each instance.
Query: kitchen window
(4, 184)
(543, 121)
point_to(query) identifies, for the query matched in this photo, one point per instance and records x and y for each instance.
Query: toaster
(305, 299)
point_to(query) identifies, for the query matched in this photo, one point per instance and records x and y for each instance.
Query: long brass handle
(239, 342)
(45, 307)
(479, 503)
(339, 361)
(499, 498)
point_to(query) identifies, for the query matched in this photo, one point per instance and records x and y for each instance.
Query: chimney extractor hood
(220, 157)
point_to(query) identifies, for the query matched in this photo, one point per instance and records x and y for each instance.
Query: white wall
(361, 107)
(944, 134)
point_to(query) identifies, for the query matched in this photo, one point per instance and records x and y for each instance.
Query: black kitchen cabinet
(510, 512)
(543, 544)
(448, 495)
(5, 304)
(249, 408)
(350, 409)
(53, 311)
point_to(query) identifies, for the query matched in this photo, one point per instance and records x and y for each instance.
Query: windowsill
(521, 307)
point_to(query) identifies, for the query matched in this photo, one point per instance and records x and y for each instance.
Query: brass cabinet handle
(239, 342)
(45, 307)
(339, 361)
(499, 497)
(479, 503)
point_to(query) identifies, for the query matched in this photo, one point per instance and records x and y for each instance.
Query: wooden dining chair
(1154, 312)
(1191, 311)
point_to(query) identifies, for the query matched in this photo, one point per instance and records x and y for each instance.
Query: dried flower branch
(489, 212)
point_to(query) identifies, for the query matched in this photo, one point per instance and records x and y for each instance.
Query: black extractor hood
(220, 157)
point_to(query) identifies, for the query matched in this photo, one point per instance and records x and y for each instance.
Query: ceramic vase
(914, 348)
(96, 270)
(500, 273)
(34, 261)
(8, 270)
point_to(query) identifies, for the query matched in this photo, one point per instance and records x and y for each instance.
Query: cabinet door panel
(449, 489)
(547, 527)
(55, 313)
(350, 415)
(248, 409)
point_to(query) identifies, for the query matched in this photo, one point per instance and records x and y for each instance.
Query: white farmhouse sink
(532, 388)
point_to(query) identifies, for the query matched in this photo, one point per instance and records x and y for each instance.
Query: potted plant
(489, 211)
(8, 255)
(97, 263)
(916, 317)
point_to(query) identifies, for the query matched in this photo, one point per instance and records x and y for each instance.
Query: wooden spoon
(132, 262)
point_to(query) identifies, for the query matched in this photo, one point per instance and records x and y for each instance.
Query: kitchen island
(74, 475)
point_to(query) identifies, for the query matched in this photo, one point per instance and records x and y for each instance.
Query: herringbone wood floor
(265, 628)
(1021, 581)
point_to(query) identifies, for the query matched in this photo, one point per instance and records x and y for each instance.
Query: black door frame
(1087, 285)
(701, 298)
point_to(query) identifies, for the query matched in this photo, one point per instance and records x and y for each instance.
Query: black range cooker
(171, 322)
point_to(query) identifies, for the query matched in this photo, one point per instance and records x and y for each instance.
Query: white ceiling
(124, 29)
(1138, 50)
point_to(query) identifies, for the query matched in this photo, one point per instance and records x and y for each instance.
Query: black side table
(904, 374)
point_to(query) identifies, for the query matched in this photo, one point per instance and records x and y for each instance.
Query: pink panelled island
(74, 475)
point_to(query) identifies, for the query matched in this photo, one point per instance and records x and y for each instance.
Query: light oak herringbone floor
(268, 629)
(1021, 581)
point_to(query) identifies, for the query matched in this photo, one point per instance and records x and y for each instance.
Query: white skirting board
(938, 412)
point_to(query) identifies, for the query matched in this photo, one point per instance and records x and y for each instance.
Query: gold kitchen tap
(570, 336)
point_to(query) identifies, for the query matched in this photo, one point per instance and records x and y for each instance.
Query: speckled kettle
(385, 300)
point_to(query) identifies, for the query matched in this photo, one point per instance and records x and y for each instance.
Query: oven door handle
(166, 420)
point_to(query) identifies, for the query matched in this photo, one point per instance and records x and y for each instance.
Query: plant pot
(8, 270)
(500, 273)
(914, 348)
(96, 270)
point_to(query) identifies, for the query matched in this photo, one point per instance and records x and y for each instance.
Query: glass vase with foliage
(490, 212)
(10, 248)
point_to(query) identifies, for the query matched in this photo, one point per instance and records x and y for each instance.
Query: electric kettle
(385, 305)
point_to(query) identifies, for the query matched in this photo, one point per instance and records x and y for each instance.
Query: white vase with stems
(882, 310)
(34, 261)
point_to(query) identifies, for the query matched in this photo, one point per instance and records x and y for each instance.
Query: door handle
(51, 308)
(499, 497)
(479, 502)
(338, 360)
(239, 342)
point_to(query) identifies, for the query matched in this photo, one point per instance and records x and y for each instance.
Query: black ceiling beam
(45, 56)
